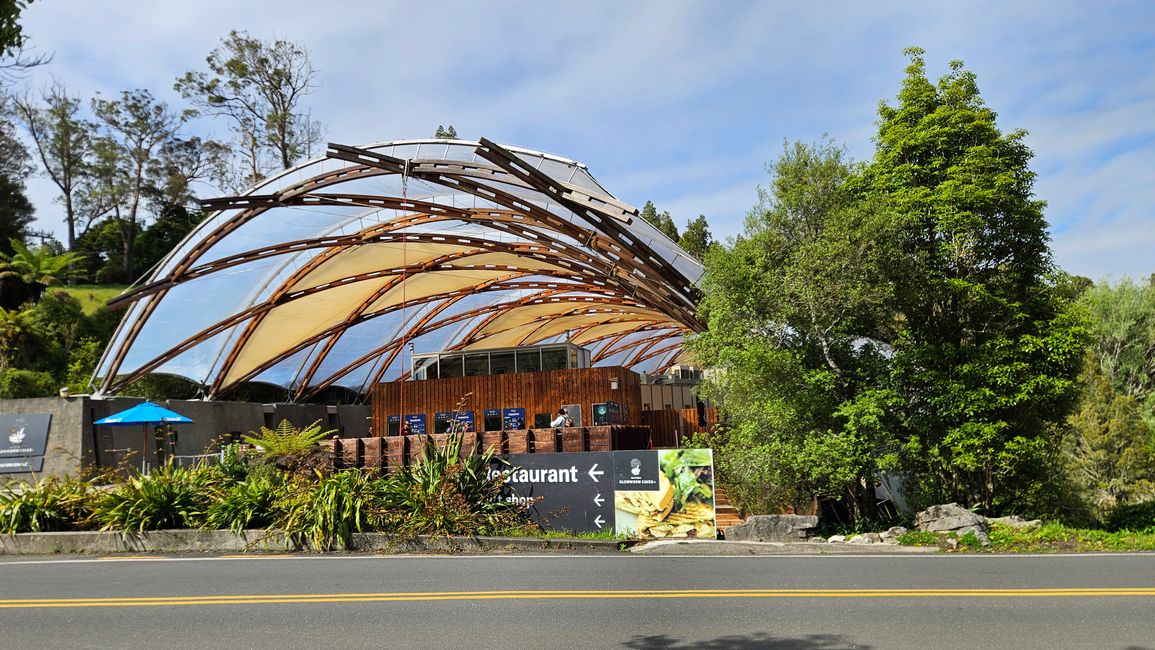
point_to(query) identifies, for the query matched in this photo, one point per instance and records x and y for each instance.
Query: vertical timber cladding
(536, 392)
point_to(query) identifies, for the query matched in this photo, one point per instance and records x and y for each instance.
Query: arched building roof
(331, 273)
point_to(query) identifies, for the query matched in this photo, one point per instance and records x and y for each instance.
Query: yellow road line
(259, 599)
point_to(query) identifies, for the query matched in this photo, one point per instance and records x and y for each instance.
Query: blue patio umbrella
(144, 414)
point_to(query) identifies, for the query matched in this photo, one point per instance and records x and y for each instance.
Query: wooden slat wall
(536, 392)
(391, 453)
(671, 427)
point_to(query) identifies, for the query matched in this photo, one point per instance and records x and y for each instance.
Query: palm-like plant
(37, 267)
(287, 445)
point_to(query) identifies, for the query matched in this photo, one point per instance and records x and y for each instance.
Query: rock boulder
(951, 517)
(774, 528)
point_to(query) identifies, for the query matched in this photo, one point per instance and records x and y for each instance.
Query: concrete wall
(214, 420)
(73, 441)
(301, 415)
(353, 420)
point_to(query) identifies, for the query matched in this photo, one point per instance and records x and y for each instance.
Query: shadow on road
(747, 642)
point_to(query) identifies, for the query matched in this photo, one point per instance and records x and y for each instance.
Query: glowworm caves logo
(16, 432)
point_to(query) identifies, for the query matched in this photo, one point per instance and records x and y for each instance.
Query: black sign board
(492, 420)
(394, 424)
(23, 440)
(565, 491)
(17, 465)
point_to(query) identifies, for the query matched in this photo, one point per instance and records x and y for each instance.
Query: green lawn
(92, 296)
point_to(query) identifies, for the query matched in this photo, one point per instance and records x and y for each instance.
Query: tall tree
(64, 146)
(696, 238)
(1123, 338)
(445, 134)
(795, 311)
(136, 127)
(1110, 453)
(987, 349)
(14, 58)
(259, 86)
(16, 213)
(662, 221)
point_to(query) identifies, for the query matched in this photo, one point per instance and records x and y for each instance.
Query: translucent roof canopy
(335, 272)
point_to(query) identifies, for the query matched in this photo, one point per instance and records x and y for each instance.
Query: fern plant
(287, 446)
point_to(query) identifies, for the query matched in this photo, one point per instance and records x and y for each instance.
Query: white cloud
(677, 101)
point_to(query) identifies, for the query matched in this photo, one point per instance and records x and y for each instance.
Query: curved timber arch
(323, 275)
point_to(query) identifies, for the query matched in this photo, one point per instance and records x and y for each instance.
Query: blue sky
(678, 102)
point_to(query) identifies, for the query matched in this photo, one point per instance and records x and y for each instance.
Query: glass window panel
(529, 360)
(426, 368)
(476, 365)
(500, 363)
(451, 366)
(553, 359)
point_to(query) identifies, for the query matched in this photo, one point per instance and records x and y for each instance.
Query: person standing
(560, 420)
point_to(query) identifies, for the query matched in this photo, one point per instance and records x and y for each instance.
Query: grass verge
(1048, 538)
(93, 296)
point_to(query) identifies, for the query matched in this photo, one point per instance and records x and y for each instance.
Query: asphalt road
(490, 602)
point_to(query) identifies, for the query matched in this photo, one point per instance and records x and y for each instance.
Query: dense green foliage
(446, 492)
(1110, 444)
(792, 310)
(1123, 328)
(50, 504)
(899, 315)
(662, 221)
(986, 349)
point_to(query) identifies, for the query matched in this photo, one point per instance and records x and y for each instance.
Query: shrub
(16, 383)
(249, 503)
(328, 512)
(447, 493)
(50, 504)
(1134, 516)
(170, 496)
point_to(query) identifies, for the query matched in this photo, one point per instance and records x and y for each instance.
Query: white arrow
(594, 475)
(598, 500)
(599, 521)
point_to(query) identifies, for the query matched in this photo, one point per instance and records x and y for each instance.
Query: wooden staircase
(726, 514)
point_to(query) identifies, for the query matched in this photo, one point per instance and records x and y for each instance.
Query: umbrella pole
(144, 450)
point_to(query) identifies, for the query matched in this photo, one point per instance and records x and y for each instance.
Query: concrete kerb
(262, 541)
(724, 548)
